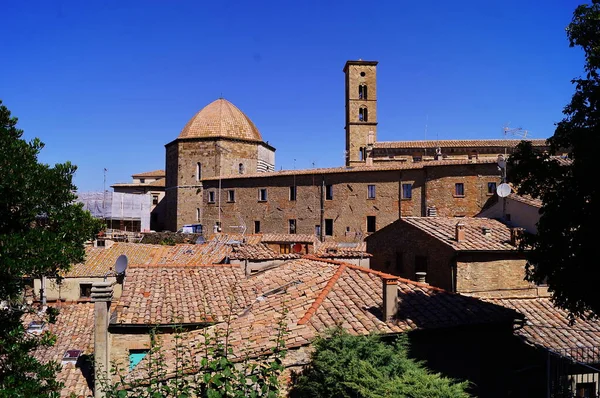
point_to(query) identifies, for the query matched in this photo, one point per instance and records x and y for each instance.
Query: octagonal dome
(221, 118)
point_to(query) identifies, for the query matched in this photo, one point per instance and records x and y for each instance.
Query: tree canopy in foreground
(343, 365)
(42, 231)
(565, 250)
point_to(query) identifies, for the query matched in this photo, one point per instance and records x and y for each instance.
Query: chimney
(101, 297)
(516, 234)
(486, 231)
(390, 297)
(459, 234)
(421, 276)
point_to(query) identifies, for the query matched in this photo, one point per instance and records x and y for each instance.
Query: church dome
(221, 118)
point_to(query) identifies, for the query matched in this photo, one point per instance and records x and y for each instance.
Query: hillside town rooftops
(311, 295)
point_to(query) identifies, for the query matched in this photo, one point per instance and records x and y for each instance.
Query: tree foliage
(564, 250)
(345, 366)
(42, 231)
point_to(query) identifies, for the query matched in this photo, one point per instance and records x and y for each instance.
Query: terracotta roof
(288, 238)
(155, 173)
(100, 260)
(548, 326)
(74, 331)
(221, 118)
(158, 184)
(181, 294)
(259, 252)
(332, 249)
(311, 295)
(357, 169)
(455, 143)
(443, 229)
(528, 200)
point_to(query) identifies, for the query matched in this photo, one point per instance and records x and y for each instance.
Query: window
(285, 248)
(328, 192)
(459, 189)
(198, 214)
(257, 227)
(586, 389)
(211, 196)
(241, 168)
(406, 191)
(231, 195)
(198, 171)
(135, 357)
(262, 194)
(318, 230)
(293, 193)
(491, 188)
(329, 227)
(292, 226)
(371, 224)
(417, 158)
(142, 180)
(362, 91)
(361, 153)
(85, 290)
(371, 192)
(363, 114)
(154, 199)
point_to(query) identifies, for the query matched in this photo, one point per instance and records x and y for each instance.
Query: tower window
(362, 91)
(293, 192)
(292, 224)
(198, 214)
(329, 227)
(361, 153)
(459, 189)
(241, 168)
(211, 196)
(363, 114)
(362, 74)
(198, 171)
(257, 227)
(231, 195)
(406, 191)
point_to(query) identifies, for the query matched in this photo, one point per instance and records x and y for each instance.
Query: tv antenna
(518, 132)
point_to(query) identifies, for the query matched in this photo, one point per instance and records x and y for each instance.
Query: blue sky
(106, 84)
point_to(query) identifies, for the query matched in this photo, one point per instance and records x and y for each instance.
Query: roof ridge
(319, 300)
(182, 265)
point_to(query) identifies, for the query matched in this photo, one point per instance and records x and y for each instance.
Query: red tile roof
(288, 238)
(357, 169)
(528, 200)
(443, 229)
(155, 173)
(157, 184)
(181, 294)
(548, 326)
(258, 252)
(74, 330)
(455, 144)
(330, 249)
(311, 295)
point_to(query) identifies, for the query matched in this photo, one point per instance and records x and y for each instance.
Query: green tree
(563, 252)
(346, 366)
(42, 232)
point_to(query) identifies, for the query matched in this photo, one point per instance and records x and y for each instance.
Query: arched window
(241, 168)
(198, 171)
(362, 91)
(363, 114)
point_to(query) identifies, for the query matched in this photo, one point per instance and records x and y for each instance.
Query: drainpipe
(102, 293)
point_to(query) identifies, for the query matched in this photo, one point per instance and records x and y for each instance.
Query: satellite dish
(297, 248)
(503, 190)
(121, 264)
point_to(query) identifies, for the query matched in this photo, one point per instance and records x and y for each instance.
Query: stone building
(471, 255)
(220, 173)
(152, 183)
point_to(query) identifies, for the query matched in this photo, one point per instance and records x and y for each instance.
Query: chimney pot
(459, 232)
(421, 276)
(390, 298)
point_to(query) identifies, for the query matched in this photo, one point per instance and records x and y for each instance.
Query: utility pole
(104, 194)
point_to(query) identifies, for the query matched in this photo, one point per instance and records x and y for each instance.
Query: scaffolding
(126, 211)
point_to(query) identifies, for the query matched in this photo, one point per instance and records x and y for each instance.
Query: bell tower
(361, 111)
